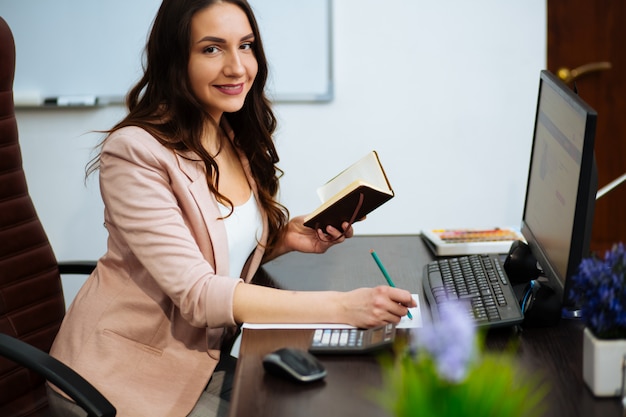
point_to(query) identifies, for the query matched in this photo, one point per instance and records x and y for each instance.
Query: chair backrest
(31, 296)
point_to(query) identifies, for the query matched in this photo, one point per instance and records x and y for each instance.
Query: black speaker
(520, 264)
(540, 304)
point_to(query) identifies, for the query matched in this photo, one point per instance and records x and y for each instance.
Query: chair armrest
(70, 382)
(77, 267)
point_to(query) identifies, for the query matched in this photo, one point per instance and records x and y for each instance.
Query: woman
(189, 184)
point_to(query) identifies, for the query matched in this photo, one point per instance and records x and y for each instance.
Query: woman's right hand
(372, 307)
(362, 307)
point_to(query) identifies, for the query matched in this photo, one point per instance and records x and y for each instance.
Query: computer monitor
(562, 184)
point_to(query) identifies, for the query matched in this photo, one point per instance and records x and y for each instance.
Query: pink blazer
(147, 326)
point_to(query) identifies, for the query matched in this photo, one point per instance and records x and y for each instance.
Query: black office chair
(31, 296)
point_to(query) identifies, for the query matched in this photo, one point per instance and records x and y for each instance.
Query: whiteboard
(94, 47)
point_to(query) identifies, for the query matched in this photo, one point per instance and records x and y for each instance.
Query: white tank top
(243, 229)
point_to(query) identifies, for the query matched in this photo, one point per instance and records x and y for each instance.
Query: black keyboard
(479, 279)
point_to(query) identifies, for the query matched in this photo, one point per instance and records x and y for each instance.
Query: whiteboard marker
(71, 101)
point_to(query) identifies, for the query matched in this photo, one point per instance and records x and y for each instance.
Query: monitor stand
(571, 313)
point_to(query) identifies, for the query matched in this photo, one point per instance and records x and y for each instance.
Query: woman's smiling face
(222, 66)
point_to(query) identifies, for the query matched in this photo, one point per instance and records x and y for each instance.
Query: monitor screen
(562, 183)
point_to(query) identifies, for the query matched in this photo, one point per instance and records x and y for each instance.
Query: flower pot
(602, 364)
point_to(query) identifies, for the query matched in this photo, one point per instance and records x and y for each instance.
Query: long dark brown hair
(163, 104)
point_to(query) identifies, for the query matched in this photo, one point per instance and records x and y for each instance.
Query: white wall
(445, 91)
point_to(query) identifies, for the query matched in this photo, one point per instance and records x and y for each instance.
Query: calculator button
(317, 336)
(389, 332)
(343, 338)
(326, 337)
(359, 339)
(352, 337)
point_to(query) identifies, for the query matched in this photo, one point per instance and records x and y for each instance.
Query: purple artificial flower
(599, 288)
(451, 341)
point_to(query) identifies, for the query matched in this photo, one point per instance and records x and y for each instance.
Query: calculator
(338, 341)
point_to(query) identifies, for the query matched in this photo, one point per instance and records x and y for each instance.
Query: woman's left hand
(299, 237)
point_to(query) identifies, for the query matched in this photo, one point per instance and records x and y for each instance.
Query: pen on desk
(386, 275)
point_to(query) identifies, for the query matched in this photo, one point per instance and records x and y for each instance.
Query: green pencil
(386, 275)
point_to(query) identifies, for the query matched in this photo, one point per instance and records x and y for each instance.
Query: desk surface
(554, 351)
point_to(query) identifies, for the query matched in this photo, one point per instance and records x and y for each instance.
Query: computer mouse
(294, 364)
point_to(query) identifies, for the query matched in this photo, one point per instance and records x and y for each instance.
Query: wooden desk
(555, 351)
